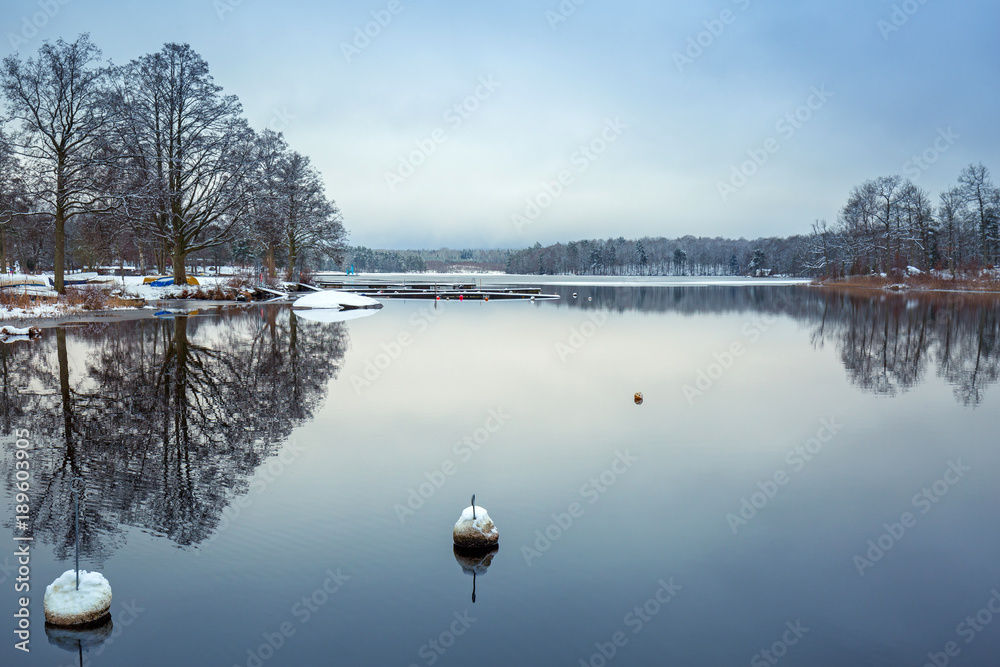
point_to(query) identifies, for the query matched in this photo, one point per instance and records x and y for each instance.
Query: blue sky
(682, 139)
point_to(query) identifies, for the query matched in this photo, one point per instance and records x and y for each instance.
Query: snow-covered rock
(478, 532)
(335, 299)
(65, 605)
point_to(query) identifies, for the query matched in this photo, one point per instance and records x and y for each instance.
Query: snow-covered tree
(56, 100)
(196, 149)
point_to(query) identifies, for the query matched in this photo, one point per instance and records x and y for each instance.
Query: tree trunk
(180, 275)
(60, 251)
(270, 261)
(292, 257)
(3, 250)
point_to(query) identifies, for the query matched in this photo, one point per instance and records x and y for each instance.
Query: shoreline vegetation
(114, 300)
(983, 282)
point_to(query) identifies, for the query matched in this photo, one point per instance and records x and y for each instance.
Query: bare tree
(823, 249)
(197, 150)
(13, 196)
(311, 222)
(919, 226)
(953, 236)
(859, 224)
(979, 194)
(887, 191)
(264, 198)
(56, 100)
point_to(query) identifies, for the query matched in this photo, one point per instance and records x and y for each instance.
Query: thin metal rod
(77, 485)
(76, 534)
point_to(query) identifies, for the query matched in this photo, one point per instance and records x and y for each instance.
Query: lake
(811, 479)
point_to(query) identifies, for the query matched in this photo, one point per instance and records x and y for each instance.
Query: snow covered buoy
(65, 605)
(474, 529)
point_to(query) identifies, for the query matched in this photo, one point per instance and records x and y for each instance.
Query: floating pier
(394, 289)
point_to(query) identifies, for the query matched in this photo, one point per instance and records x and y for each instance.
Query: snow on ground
(128, 287)
(65, 605)
(40, 309)
(132, 286)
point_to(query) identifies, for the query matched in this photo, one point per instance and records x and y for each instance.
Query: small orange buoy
(638, 398)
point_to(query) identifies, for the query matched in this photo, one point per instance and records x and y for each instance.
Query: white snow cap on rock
(478, 532)
(65, 605)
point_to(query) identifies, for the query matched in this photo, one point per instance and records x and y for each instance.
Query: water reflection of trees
(166, 420)
(886, 342)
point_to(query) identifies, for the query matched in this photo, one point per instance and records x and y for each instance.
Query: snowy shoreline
(48, 314)
(918, 282)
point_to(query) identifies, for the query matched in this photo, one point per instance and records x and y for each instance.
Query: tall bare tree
(310, 222)
(979, 194)
(264, 199)
(920, 229)
(953, 237)
(197, 150)
(13, 196)
(56, 100)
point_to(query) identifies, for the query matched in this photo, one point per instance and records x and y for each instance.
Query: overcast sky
(684, 106)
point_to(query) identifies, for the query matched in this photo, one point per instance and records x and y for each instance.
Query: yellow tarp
(191, 280)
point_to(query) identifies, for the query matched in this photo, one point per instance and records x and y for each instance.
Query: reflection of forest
(165, 420)
(885, 341)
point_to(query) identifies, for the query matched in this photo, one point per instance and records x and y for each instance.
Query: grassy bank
(942, 281)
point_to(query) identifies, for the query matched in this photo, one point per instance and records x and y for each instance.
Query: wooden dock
(446, 291)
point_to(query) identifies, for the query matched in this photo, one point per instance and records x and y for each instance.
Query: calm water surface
(810, 480)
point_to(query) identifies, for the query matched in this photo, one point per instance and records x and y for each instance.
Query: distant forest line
(887, 225)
